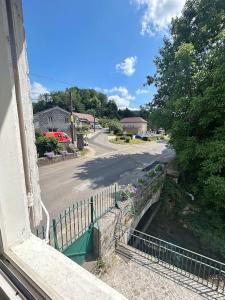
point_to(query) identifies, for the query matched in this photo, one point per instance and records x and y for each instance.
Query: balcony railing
(76, 220)
(197, 267)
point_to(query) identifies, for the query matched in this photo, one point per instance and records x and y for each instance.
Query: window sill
(58, 276)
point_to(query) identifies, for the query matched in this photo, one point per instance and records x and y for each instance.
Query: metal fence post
(92, 210)
(218, 279)
(55, 234)
(116, 204)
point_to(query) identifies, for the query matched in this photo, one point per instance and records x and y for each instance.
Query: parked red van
(62, 137)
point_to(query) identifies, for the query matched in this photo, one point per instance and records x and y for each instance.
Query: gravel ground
(135, 281)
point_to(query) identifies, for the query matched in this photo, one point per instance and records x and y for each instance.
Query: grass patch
(117, 142)
(84, 152)
(123, 142)
(136, 141)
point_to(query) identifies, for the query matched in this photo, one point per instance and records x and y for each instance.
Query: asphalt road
(68, 182)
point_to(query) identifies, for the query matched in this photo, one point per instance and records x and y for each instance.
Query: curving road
(68, 182)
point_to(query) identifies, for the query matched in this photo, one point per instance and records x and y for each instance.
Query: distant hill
(83, 101)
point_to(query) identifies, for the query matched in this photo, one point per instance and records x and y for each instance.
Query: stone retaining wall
(111, 137)
(46, 161)
(107, 227)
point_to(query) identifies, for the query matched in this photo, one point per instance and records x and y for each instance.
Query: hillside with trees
(84, 101)
(190, 105)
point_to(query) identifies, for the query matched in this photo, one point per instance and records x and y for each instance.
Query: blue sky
(105, 44)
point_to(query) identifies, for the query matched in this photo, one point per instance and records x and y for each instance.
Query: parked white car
(97, 126)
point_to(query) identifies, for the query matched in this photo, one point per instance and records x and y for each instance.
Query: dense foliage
(113, 124)
(84, 101)
(46, 144)
(126, 113)
(190, 104)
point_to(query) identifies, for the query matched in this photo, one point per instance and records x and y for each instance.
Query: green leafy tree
(83, 100)
(115, 126)
(126, 113)
(190, 104)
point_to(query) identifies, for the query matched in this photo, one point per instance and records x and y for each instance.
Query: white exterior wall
(24, 83)
(14, 221)
(137, 127)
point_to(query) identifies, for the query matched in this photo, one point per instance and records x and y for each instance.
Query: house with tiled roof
(85, 119)
(134, 125)
(53, 119)
(58, 119)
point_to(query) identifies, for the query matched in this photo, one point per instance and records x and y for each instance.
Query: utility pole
(94, 121)
(71, 117)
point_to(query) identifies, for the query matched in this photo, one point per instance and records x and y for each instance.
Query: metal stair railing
(199, 268)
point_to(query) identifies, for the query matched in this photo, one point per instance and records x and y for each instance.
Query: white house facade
(134, 125)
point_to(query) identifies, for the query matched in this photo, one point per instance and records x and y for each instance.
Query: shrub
(128, 139)
(104, 122)
(85, 128)
(174, 194)
(123, 138)
(101, 264)
(151, 174)
(46, 144)
(141, 181)
(115, 126)
(158, 168)
(38, 133)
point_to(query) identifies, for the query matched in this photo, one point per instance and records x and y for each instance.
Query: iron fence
(202, 269)
(78, 218)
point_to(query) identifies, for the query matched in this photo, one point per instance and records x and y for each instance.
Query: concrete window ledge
(58, 276)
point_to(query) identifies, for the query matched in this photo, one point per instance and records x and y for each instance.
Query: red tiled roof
(87, 117)
(133, 120)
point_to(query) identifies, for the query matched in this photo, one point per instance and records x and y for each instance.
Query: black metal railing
(202, 269)
(77, 219)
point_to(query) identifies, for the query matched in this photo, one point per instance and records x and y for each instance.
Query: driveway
(68, 182)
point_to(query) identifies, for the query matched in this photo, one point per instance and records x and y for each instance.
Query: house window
(129, 126)
(49, 119)
(66, 120)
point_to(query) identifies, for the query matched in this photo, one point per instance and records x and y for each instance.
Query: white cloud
(127, 66)
(141, 91)
(134, 108)
(158, 14)
(123, 91)
(121, 102)
(120, 95)
(37, 89)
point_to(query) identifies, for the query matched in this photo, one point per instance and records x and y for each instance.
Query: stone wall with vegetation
(133, 202)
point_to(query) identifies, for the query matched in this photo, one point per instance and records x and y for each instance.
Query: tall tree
(190, 103)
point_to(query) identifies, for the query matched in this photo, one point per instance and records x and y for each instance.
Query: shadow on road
(104, 171)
